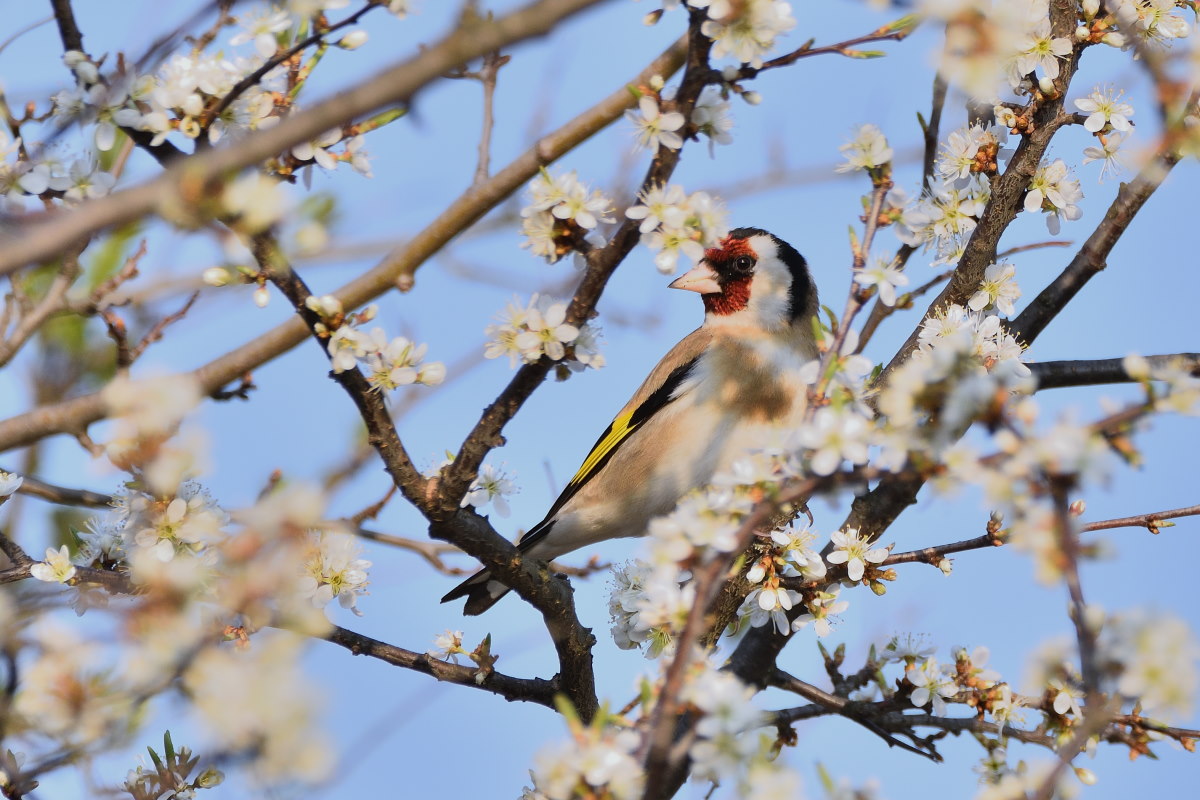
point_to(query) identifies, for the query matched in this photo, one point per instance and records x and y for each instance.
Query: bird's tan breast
(754, 382)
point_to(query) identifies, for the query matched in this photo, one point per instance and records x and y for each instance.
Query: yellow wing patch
(617, 431)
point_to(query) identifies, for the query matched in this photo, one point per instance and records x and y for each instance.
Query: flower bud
(1082, 33)
(216, 276)
(657, 82)
(1114, 39)
(753, 98)
(261, 297)
(1137, 367)
(209, 778)
(353, 40)
(1046, 85)
(1091, 8)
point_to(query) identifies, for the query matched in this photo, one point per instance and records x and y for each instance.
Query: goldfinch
(719, 392)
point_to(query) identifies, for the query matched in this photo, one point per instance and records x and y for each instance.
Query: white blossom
(491, 485)
(1104, 108)
(868, 150)
(933, 683)
(1054, 191)
(333, 569)
(855, 551)
(57, 568)
(884, 277)
(749, 32)
(655, 129)
(998, 289)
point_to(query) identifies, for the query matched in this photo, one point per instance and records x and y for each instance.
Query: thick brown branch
(1061, 374)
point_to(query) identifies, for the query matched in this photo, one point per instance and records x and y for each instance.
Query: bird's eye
(743, 264)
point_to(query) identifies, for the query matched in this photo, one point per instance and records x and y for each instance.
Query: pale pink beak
(701, 279)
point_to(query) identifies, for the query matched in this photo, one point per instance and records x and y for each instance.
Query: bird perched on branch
(716, 394)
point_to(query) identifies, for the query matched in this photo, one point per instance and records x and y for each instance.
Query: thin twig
(33, 487)
(40, 236)
(400, 265)
(1148, 521)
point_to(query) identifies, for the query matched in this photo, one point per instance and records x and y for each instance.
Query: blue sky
(401, 733)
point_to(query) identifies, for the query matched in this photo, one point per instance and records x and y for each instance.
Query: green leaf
(906, 23)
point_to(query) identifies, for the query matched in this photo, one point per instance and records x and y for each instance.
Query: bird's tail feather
(481, 592)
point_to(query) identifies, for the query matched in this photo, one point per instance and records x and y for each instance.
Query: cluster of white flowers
(674, 222)
(562, 215)
(964, 359)
(1146, 657)
(867, 151)
(1153, 659)
(942, 218)
(957, 329)
(1056, 192)
(526, 332)
(333, 569)
(650, 599)
(597, 761)
(145, 531)
(246, 697)
(48, 173)
(1152, 21)
(389, 363)
(186, 86)
(68, 692)
(970, 151)
(146, 411)
(728, 713)
(745, 30)
(789, 554)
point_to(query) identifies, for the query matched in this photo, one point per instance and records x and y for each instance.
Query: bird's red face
(724, 277)
(733, 260)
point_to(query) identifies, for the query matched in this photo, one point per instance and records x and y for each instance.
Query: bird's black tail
(481, 592)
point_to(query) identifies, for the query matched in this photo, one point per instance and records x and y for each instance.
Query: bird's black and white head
(753, 278)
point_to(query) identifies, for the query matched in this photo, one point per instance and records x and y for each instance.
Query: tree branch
(399, 266)
(1062, 374)
(529, 690)
(1091, 258)
(40, 236)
